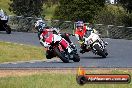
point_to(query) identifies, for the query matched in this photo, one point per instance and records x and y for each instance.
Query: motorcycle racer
(84, 47)
(45, 34)
(80, 30)
(83, 31)
(42, 28)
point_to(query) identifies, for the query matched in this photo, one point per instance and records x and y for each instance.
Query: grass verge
(55, 80)
(4, 4)
(10, 52)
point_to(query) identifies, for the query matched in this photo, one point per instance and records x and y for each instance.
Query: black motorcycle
(4, 26)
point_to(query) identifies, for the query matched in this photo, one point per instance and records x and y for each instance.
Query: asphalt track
(120, 54)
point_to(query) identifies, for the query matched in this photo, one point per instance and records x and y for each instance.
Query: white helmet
(37, 23)
(2, 13)
(40, 24)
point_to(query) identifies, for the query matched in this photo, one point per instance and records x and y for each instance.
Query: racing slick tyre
(76, 58)
(99, 51)
(106, 53)
(48, 57)
(8, 29)
(61, 56)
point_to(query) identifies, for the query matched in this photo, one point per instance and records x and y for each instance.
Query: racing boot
(73, 46)
(106, 53)
(82, 51)
(106, 43)
(70, 51)
(83, 48)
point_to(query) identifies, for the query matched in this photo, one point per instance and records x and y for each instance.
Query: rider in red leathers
(43, 29)
(45, 33)
(80, 32)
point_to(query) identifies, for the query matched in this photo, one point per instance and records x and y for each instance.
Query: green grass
(14, 52)
(48, 80)
(4, 4)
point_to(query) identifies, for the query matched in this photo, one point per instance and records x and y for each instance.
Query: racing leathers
(50, 36)
(80, 34)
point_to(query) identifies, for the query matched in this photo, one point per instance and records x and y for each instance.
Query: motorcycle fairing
(49, 39)
(64, 43)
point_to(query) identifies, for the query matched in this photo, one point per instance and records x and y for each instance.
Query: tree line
(87, 10)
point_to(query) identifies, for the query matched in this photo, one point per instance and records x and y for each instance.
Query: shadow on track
(98, 57)
(60, 62)
(3, 32)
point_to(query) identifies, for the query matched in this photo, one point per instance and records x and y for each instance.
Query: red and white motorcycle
(58, 46)
(96, 44)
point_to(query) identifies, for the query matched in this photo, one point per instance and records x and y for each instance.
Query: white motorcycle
(96, 44)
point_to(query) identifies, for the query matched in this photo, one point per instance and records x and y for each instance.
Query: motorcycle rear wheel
(61, 56)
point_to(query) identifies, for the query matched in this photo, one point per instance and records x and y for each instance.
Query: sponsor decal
(83, 78)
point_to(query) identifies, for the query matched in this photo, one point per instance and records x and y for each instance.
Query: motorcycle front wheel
(99, 51)
(49, 54)
(76, 58)
(60, 55)
(8, 29)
